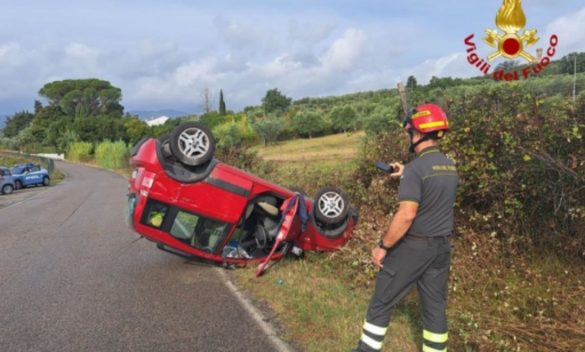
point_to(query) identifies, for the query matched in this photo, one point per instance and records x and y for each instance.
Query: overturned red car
(194, 205)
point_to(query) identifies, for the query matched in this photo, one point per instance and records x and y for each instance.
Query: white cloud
(10, 55)
(454, 65)
(344, 51)
(570, 30)
(81, 52)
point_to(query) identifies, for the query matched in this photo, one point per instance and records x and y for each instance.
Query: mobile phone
(384, 167)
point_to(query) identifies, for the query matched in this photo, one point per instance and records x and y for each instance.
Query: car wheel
(7, 189)
(18, 184)
(192, 143)
(331, 206)
(46, 181)
(165, 143)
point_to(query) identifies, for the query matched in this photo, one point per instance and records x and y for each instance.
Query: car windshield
(18, 170)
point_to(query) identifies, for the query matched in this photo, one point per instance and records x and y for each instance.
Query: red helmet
(427, 118)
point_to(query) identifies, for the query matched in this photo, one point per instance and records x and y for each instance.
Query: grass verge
(318, 309)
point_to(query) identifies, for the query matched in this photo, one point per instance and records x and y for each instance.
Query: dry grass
(319, 310)
(334, 147)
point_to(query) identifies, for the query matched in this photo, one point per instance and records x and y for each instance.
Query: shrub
(80, 151)
(112, 155)
(520, 156)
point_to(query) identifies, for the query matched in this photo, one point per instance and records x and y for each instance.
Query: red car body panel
(223, 195)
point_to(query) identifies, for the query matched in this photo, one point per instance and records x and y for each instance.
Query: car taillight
(147, 182)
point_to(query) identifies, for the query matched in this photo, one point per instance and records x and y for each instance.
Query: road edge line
(258, 317)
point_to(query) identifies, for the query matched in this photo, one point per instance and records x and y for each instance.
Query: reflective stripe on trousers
(434, 342)
(373, 336)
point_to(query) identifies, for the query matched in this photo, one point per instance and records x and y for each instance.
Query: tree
(269, 129)
(411, 83)
(275, 101)
(221, 103)
(508, 65)
(212, 119)
(309, 123)
(343, 118)
(17, 123)
(135, 129)
(83, 98)
(228, 134)
(206, 98)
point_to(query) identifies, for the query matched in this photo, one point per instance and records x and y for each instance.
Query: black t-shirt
(430, 180)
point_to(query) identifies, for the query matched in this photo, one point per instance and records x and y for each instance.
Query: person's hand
(398, 169)
(378, 255)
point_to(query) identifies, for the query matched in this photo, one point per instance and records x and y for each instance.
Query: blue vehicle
(6, 181)
(30, 174)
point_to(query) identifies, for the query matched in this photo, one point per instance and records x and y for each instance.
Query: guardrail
(46, 160)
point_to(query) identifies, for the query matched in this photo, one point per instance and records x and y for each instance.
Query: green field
(335, 147)
(312, 163)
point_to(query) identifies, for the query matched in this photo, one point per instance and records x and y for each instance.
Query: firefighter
(416, 247)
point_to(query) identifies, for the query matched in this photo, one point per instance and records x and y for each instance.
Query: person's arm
(409, 198)
(399, 225)
(401, 222)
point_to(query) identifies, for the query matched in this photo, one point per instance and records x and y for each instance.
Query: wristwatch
(381, 245)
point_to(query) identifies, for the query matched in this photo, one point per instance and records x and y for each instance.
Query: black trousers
(426, 262)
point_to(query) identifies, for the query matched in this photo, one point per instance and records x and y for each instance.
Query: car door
(32, 175)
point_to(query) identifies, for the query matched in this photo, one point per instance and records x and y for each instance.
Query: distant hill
(149, 114)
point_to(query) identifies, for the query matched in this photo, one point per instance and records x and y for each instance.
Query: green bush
(80, 151)
(520, 156)
(112, 155)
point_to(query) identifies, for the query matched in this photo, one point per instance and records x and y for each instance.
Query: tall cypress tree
(221, 103)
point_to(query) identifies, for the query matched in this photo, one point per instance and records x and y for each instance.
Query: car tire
(46, 181)
(192, 143)
(165, 145)
(17, 184)
(331, 206)
(7, 189)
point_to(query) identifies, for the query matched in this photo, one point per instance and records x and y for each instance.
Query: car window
(34, 169)
(156, 215)
(197, 231)
(18, 170)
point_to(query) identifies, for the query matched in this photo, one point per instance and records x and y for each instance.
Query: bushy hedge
(112, 155)
(80, 151)
(521, 158)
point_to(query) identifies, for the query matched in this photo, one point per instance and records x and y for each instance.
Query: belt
(425, 238)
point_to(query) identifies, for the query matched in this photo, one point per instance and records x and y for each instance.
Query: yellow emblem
(511, 20)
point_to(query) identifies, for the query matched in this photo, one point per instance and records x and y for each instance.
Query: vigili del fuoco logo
(511, 41)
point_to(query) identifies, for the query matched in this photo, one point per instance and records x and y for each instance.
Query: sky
(163, 54)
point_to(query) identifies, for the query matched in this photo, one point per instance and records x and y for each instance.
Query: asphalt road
(72, 279)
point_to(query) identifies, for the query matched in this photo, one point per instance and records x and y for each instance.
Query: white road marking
(279, 345)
